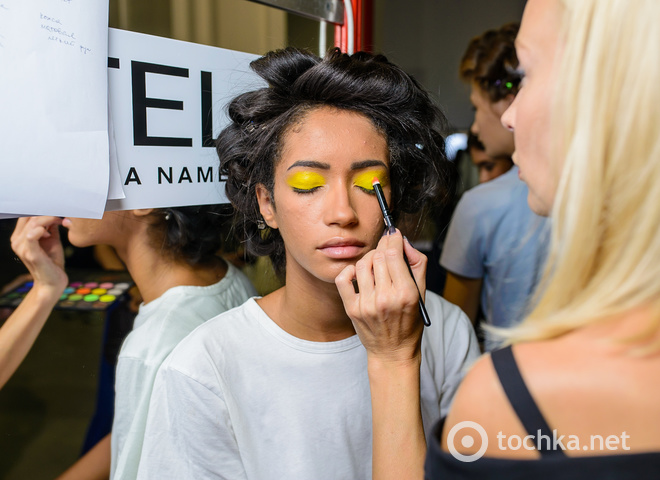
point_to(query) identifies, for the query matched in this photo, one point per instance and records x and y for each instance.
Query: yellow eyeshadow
(364, 179)
(305, 180)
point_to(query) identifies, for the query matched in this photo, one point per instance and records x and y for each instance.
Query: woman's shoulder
(481, 399)
(541, 364)
(581, 387)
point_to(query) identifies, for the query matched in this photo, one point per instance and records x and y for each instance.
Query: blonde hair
(604, 256)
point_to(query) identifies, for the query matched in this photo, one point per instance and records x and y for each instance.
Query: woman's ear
(266, 205)
(142, 212)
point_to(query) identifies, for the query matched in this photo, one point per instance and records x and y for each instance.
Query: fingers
(36, 242)
(415, 257)
(30, 230)
(395, 262)
(344, 282)
(19, 231)
(34, 228)
(385, 312)
(384, 274)
(394, 247)
(54, 232)
(365, 276)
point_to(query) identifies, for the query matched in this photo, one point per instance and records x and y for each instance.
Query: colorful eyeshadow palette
(93, 294)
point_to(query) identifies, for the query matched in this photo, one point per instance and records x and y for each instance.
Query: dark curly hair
(490, 60)
(298, 82)
(193, 235)
(473, 142)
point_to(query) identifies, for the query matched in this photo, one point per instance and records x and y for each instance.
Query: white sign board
(167, 102)
(53, 107)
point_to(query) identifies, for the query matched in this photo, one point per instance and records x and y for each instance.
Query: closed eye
(305, 190)
(363, 180)
(305, 181)
(370, 191)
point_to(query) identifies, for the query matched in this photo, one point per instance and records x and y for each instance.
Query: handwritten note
(53, 99)
(5, 19)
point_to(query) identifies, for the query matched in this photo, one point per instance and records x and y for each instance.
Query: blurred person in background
(495, 246)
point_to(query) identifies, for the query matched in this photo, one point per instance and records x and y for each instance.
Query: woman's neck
(154, 273)
(309, 308)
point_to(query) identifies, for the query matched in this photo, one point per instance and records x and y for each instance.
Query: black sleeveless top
(553, 464)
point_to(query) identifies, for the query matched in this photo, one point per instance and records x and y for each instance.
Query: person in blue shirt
(495, 247)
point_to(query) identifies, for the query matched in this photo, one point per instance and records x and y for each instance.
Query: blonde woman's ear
(266, 205)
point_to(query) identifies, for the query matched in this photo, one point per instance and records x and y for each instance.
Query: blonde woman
(577, 396)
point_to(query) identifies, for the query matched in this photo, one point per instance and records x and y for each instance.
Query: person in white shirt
(279, 387)
(171, 255)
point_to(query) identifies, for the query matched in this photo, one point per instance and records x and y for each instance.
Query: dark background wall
(428, 37)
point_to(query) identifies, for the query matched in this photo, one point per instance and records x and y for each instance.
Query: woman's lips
(342, 248)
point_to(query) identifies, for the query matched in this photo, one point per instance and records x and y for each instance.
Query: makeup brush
(390, 228)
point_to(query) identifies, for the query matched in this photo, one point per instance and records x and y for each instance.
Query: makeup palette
(98, 293)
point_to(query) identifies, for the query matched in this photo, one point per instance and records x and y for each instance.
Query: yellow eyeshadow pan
(364, 179)
(305, 180)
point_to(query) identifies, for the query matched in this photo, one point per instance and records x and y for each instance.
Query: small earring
(168, 215)
(261, 225)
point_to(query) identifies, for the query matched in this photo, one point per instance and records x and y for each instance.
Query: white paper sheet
(53, 107)
(115, 192)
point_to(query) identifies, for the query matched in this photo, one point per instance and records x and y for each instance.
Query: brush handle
(420, 302)
(390, 226)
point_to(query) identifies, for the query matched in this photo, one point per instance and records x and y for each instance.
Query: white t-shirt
(240, 398)
(159, 326)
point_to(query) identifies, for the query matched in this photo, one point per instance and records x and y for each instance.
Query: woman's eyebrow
(368, 163)
(310, 163)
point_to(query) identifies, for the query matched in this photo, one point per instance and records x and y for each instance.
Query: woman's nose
(508, 116)
(339, 207)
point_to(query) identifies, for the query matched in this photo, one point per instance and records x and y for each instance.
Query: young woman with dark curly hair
(278, 388)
